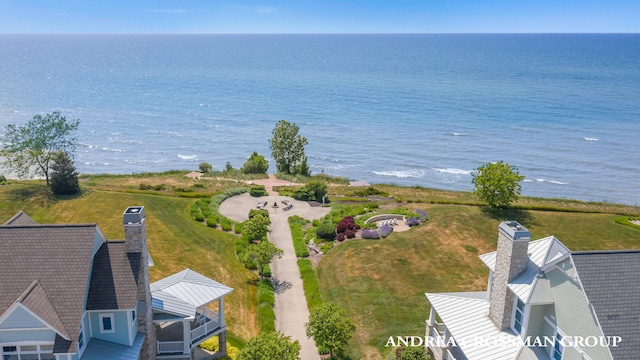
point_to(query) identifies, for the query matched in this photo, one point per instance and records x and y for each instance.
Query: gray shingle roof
(611, 282)
(58, 257)
(36, 300)
(114, 278)
(21, 219)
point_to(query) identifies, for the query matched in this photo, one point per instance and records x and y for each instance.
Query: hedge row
(266, 301)
(295, 224)
(310, 283)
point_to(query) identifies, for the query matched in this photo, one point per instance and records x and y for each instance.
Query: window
(556, 353)
(80, 340)
(518, 316)
(27, 352)
(107, 324)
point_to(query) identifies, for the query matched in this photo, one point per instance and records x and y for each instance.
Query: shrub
(266, 271)
(325, 247)
(256, 164)
(237, 228)
(412, 221)
(349, 234)
(326, 231)
(225, 223)
(265, 292)
(346, 223)
(205, 167)
(3, 179)
(370, 234)
(258, 190)
(340, 237)
(212, 221)
(261, 212)
(370, 191)
(385, 230)
(314, 190)
(198, 217)
(181, 189)
(422, 215)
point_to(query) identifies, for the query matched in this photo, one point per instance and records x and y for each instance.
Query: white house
(542, 302)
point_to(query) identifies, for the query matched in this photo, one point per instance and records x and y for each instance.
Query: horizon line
(321, 33)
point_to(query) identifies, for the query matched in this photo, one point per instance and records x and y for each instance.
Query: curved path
(291, 305)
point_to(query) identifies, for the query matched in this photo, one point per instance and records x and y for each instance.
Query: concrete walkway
(291, 305)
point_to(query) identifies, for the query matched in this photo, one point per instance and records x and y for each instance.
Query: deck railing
(208, 322)
(170, 347)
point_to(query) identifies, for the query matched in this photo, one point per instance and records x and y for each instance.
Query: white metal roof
(183, 292)
(466, 317)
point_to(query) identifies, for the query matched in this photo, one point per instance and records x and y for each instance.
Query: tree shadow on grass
(38, 195)
(524, 217)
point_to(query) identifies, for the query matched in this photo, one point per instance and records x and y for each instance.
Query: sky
(319, 16)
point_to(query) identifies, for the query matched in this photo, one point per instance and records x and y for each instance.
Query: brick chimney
(135, 233)
(511, 261)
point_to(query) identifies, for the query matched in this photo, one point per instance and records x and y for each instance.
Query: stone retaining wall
(384, 217)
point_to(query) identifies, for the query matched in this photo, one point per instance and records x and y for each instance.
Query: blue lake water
(404, 109)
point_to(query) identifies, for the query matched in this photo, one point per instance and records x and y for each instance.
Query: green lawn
(175, 240)
(381, 283)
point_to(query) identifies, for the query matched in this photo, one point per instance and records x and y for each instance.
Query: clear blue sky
(317, 16)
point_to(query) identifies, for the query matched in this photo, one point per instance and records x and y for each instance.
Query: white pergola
(182, 298)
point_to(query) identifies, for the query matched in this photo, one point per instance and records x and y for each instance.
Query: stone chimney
(135, 233)
(511, 261)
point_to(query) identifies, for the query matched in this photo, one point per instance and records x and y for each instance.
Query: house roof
(35, 299)
(183, 292)
(114, 278)
(542, 254)
(59, 258)
(610, 280)
(21, 219)
(465, 315)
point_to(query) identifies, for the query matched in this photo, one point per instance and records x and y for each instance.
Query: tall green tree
(262, 254)
(287, 149)
(330, 327)
(270, 345)
(255, 164)
(29, 149)
(64, 178)
(497, 184)
(205, 167)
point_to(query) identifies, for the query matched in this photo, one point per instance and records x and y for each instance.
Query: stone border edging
(377, 218)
